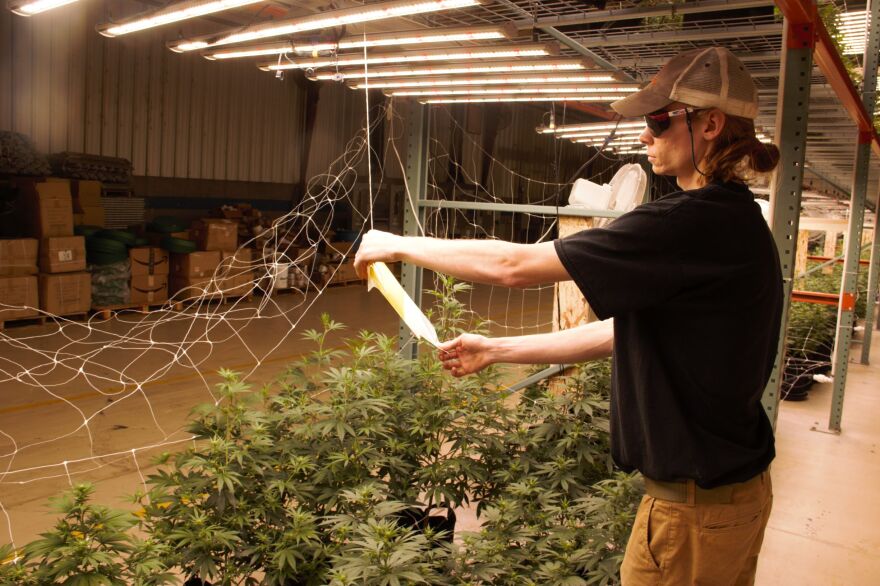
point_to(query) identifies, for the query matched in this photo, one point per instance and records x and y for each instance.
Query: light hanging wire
(326, 20)
(367, 137)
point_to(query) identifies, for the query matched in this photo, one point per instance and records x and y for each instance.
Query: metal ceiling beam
(570, 43)
(660, 62)
(804, 12)
(697, 34)
(600, 16)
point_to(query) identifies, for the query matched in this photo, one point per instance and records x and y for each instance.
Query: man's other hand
(466, 354)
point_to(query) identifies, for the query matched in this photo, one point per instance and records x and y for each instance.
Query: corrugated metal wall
(69, 88)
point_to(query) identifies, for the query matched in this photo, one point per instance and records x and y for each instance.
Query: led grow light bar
(627, 142)
(525, 66)
(508, 98)
(335, 18)
(418, 37)
(31, 7)
(449, 35)
(621, 132)
(614, 93)
(561, 78)
(168, 14)
(588, 127)
(450, 54)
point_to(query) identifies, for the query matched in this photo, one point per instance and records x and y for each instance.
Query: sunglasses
(658, 122)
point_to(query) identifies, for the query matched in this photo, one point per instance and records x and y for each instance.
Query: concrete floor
(824, 530)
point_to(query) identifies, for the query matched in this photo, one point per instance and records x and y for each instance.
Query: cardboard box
(66, 293)
(195, 264)
(235, 286)
(19, 291)
(18, 256)
(215, 234)
(344, 274)
(53, 212)
(63, 254)
(182, 288)
(88, 193)
(93, 216)
(149, 260)
(236, 263)
(149, 289)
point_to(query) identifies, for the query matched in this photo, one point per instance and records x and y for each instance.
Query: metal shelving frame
(808, 104)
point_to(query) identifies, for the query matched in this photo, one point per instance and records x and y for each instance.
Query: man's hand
(467, 354)
(376, 246)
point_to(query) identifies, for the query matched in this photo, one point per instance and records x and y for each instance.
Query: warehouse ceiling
(632, 38)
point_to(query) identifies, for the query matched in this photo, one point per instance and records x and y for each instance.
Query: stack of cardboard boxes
(150, 267)
(87, 206)
(18, 279)
(340, 262)
(65, 288)
(218, 269)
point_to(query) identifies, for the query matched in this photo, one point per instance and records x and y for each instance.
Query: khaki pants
(684, 543)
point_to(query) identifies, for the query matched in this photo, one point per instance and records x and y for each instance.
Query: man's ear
(715, 120)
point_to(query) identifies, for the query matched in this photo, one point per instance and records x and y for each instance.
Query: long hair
(736, 154)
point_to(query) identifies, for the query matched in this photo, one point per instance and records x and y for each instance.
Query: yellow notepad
(380, 277)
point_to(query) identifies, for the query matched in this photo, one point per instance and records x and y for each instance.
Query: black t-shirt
(693, 283)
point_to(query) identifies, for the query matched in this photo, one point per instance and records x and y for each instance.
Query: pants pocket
(741, 521)
(655, 524)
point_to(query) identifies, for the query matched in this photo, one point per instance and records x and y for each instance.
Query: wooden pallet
(23, 321)
(42, 319)
(107, 312)
(346, 282)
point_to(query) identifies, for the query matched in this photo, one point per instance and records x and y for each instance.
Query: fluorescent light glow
(451, 54)
(248, 51)
(27, 8)
(494, 80)
(571, 90)
(622, 132)
(629, 142)
(854, 28)
(417, 37)
(525, 66)
(168, 14)
(376, 40)
(335, 18)
(589, 127)
(506, 98)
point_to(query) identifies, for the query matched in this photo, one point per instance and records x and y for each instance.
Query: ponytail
(736, 154)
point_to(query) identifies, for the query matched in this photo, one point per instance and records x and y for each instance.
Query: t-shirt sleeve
(630, 265)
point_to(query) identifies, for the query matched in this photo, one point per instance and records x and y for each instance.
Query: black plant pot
(196, 581)
(797, 378)
(420, 519)
(821, 360)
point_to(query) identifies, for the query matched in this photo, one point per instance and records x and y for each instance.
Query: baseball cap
(706, 78)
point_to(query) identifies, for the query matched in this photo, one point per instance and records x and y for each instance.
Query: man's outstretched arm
(470, 353)
(493, 262)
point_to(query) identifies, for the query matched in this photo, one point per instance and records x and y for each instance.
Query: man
(693, 284)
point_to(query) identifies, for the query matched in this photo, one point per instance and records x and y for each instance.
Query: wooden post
(830, 249)
(570, 308)
(803, 242)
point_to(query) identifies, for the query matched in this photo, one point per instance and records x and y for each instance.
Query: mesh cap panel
(706, 78)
